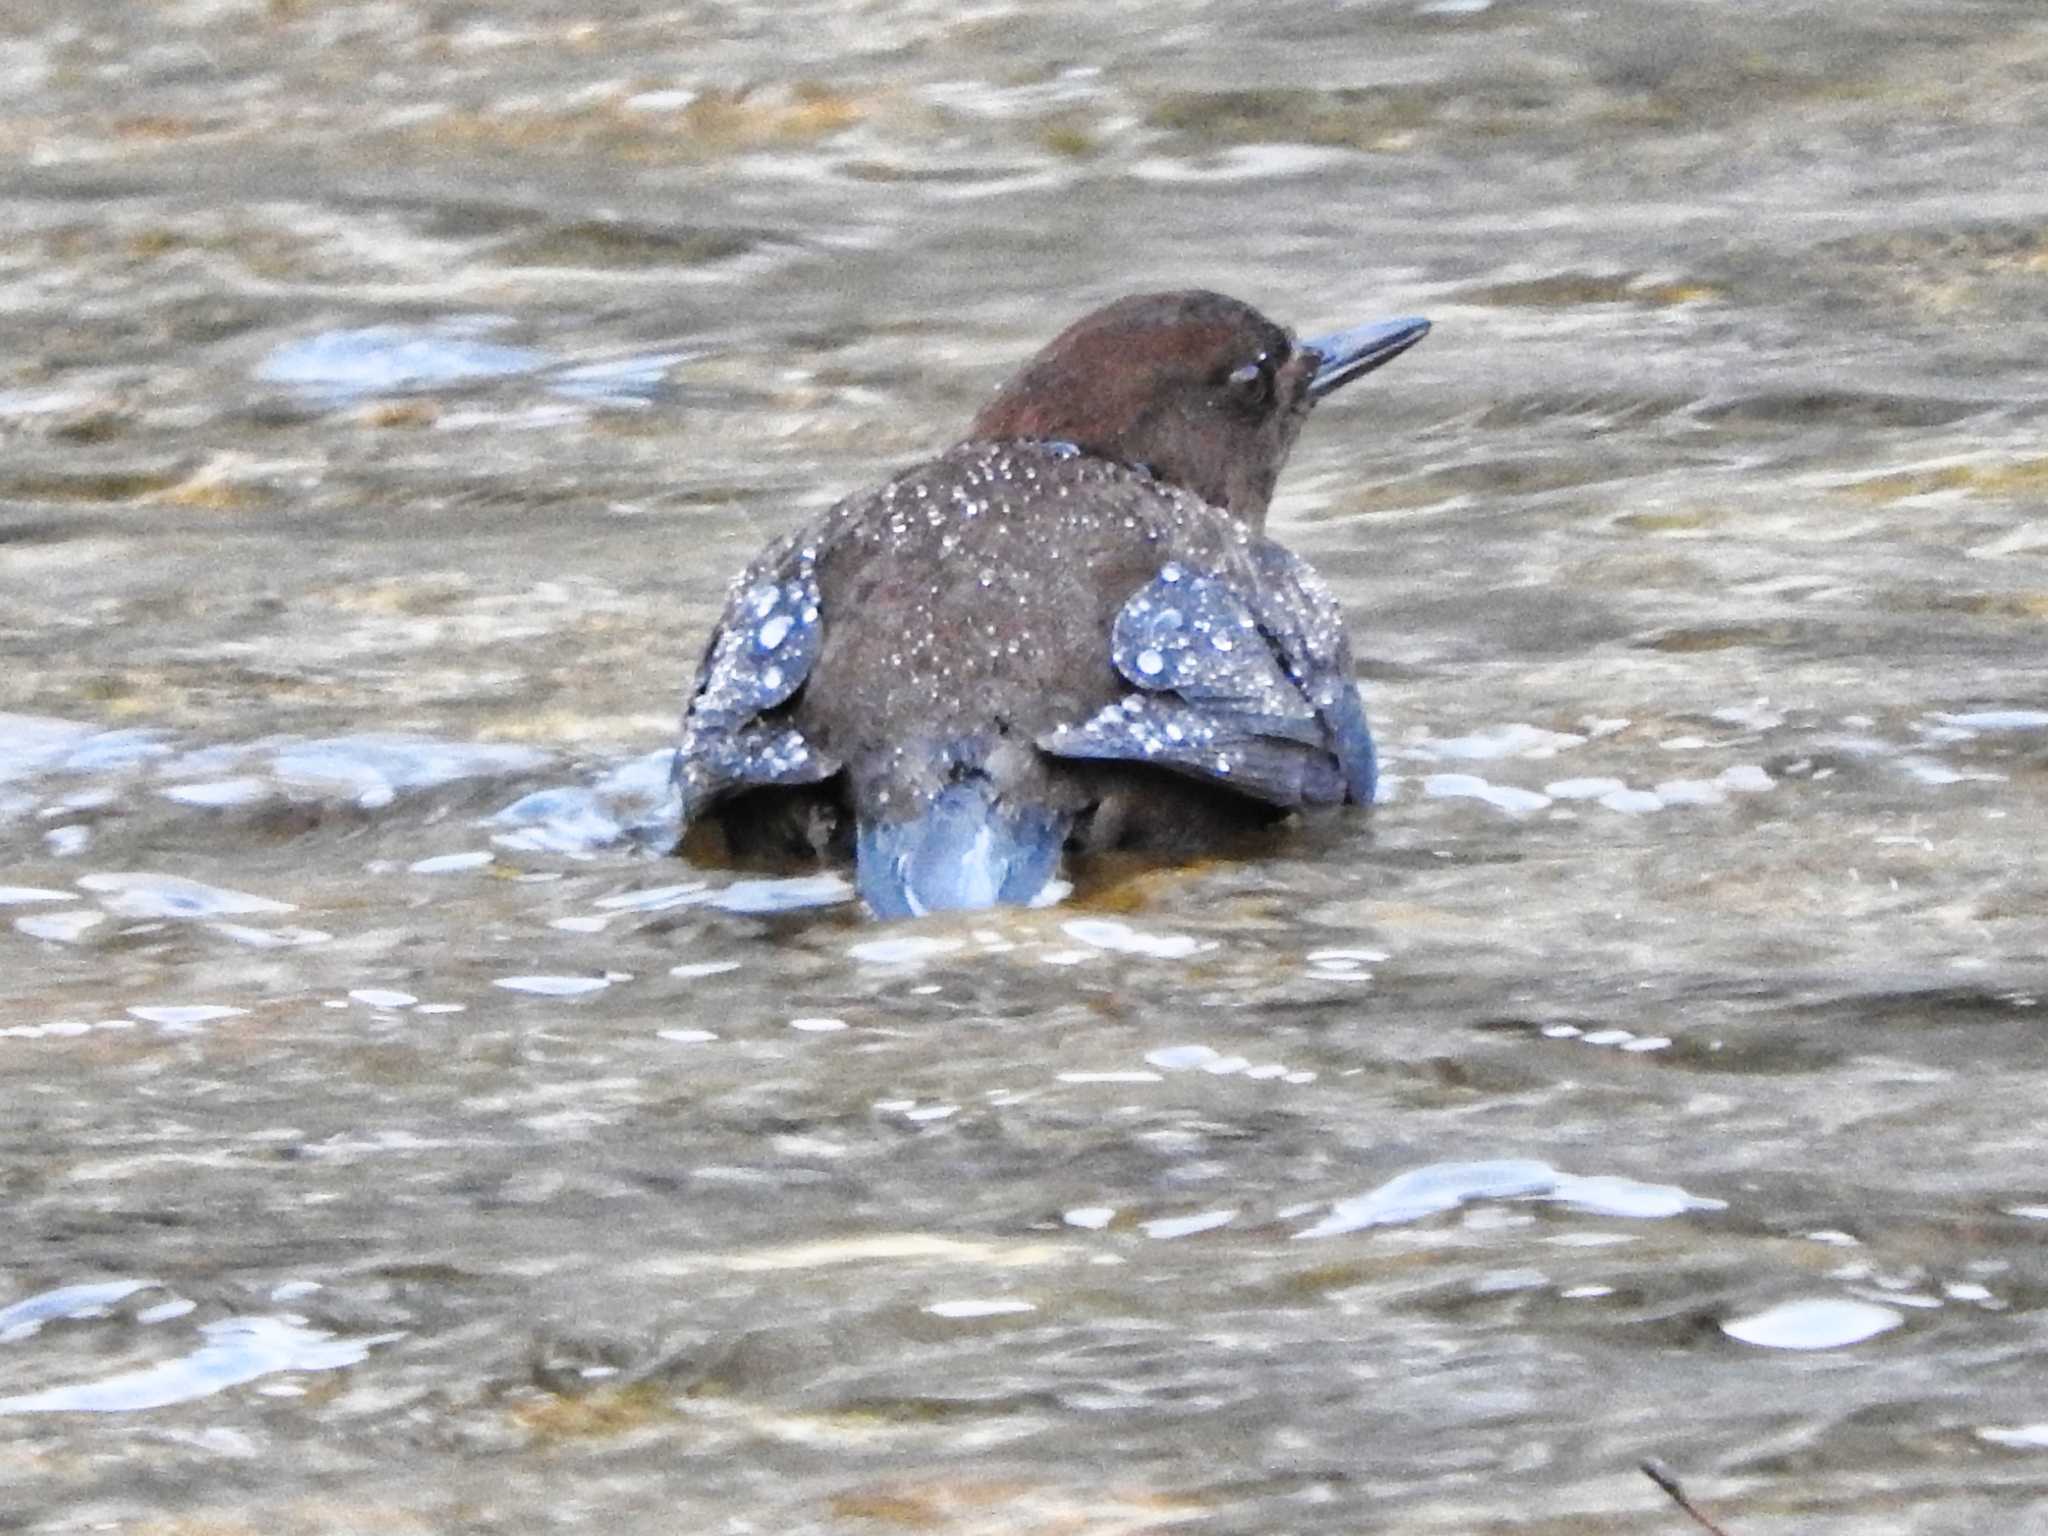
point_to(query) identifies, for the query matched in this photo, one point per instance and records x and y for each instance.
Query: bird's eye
(1252, 385)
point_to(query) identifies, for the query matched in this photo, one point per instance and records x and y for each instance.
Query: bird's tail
(966, 851)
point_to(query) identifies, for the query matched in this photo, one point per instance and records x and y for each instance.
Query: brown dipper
(1068, 632)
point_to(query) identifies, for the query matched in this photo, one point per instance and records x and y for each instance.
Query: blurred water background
(390, 1143)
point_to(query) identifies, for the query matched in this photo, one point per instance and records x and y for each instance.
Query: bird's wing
(1297, 607)
(1250, 689)
(759, 656)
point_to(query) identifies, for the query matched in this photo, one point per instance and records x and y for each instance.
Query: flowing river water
(391, 1142)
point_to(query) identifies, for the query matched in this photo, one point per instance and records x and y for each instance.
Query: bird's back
(974, 597)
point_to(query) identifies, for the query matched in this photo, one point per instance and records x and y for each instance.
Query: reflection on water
(388, 394)
(337, 367)
(1446, 1186)
(236, 1350)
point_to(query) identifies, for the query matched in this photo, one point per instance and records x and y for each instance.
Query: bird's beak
(1343, 356)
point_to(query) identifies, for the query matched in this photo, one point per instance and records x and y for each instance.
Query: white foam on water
(1927, 770)
(1439, 1187)
(1631, 802)
(1494, 742)
(910, 949)
(994, 1307)
(346, 364)
(374, 768)
(379, 997)
(1583, 789)
(33, 744)
(2018, 1437)
(1690, 792)
(142, 893)
(450, 863)
(1246, 162)
(1109, 1077)
(761, 897)
(1181, 1058)
(655, 898)
(1187, 1226)
(624, 381)
(1446, 786)
(182, 1018)
(1756, 716)
(571, 821)
(1818, 1322)
(236, 1350)
(270, 938)
(553, 986)
(218, 794)
(1999, 720)
(22, 1319)
(1122, 938)
(59, 927)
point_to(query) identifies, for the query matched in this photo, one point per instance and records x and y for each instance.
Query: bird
(1066, 634)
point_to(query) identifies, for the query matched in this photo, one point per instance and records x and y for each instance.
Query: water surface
(393, 1142)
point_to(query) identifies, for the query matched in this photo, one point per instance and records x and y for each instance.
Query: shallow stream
(390, 1142)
